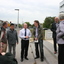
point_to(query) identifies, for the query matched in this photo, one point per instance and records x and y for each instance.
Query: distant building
(62, 7)
(1, 22)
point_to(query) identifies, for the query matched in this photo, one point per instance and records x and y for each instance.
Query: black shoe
(36, 57)
(21, 60)
(42, 60)
(26, 58)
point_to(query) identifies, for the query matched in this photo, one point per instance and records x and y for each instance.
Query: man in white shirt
(24, 34)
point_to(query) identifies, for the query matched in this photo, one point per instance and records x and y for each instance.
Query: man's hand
(17, 42)
(36, 38)
(26, 36)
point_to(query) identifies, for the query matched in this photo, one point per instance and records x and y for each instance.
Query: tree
(20, 26)
(28, 24)
(32, 25)
(48, 21)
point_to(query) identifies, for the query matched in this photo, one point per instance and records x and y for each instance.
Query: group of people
(25, 34)
(10, 37)
(58, 37)
(7, 58)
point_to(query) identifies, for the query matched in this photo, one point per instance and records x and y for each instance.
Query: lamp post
(17, 19)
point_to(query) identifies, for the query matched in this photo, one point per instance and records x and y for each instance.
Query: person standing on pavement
(12, 39)
(24, 34)
(3, 37)
(60, 39)
(38, 38)
(53, 29)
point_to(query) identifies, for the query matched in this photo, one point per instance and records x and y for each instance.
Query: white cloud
(29, 9)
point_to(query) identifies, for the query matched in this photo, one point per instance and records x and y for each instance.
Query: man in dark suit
(53, 29)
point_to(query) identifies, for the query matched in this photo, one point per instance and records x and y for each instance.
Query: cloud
(29, 9)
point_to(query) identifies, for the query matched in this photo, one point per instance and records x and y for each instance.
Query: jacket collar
(38, 27)
(11, 30)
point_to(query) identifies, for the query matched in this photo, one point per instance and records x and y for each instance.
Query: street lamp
(17, 19)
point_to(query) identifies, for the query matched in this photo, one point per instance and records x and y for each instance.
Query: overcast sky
(30, 10)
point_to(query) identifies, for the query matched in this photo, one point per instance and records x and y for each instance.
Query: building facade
(1, 22)
(62, 7)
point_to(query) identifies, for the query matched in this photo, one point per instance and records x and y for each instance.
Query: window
(61, 6)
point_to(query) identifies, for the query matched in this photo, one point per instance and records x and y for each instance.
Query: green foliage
(48, 21)
(20, 26)
(28, 24)
(32, 25)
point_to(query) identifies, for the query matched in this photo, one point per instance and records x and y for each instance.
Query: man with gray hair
(3, 38)
(60, 39)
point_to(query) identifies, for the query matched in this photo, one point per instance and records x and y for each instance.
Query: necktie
(25, 32)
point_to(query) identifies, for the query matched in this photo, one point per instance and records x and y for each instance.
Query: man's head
(12, 26)
(25, 25)
(56, 19)
(36, 23)
(61, 16)
(5, 24)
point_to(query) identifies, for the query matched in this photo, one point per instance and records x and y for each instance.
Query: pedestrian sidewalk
(50, 41)
(50, 47)
(30, 55)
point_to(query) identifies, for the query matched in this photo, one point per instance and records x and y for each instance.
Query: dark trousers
(61, 54)
(55, 47)
(14, 49)
(24, 48)
(40, 43)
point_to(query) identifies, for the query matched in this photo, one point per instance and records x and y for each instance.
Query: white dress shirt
(57, 24)
(22, 34)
